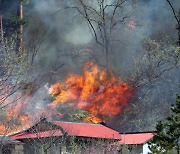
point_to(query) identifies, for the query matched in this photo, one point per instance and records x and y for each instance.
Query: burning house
(57, 137)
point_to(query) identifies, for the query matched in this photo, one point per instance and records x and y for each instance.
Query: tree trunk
(107, 52)
(1, 23)
(21, 26)
(179, 29)
(106, 44)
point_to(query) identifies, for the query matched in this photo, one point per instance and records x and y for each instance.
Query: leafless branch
(174, 13)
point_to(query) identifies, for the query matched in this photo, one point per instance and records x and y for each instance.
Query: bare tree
(104, 18)
(13, 70)
(45, 139)
(37, 35)
(156, 59)
(154, 76)
(177, 18)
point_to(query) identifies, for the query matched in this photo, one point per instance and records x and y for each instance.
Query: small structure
(137, 141)
(58, 137)
(10, 146)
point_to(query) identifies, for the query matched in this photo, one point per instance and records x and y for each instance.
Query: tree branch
(173, 12)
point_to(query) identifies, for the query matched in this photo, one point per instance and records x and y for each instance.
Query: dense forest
(112, 61)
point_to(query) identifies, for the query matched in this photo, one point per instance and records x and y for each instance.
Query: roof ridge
(79, 123)
(143, 132)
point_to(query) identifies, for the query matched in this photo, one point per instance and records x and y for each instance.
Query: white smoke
(79, 34)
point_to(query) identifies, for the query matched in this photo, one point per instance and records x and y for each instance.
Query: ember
(132, 24)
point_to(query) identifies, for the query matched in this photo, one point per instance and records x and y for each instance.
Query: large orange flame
(99, 92)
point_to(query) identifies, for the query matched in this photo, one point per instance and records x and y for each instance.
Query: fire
(93, 119)
(16, 119)
(99, 92)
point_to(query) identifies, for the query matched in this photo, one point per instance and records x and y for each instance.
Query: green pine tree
(167, 139)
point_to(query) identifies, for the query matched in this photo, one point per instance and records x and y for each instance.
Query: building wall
(145, 149)
(41, 146)
(132, 149)
(6, 149)
(18, 149)
(137, 149)
(12, 149)
(75, 145)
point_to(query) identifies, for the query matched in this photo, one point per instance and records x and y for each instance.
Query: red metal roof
(75, 129)
(135, 138)
(89, 130)
(25, 135)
